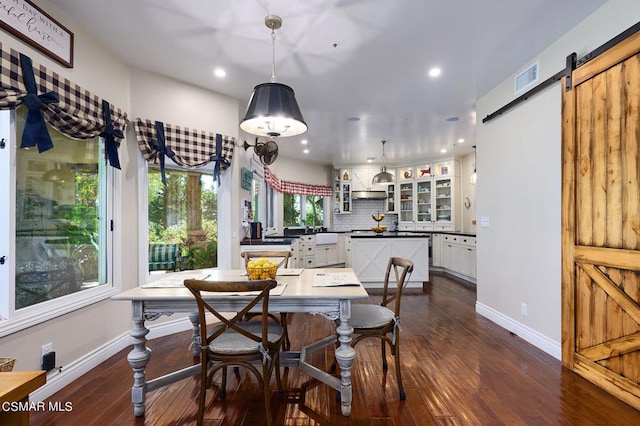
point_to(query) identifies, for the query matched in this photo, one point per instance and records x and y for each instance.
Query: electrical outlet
(47, 348)
(523, 309)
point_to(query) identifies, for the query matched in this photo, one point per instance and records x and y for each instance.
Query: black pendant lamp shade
(273, 111)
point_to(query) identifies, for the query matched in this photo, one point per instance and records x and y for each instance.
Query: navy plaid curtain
(64, 105)
(186, 147)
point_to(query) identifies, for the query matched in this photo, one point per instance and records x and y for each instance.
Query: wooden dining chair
(383, 321)
(237, 343)
(282, 258)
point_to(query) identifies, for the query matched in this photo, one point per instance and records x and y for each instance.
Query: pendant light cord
(273, 54)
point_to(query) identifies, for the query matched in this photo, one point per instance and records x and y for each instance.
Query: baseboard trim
(538, 340)
(58, 379)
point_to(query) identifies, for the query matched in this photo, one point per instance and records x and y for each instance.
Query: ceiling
(359, 68)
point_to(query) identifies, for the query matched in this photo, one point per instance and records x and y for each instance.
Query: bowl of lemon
(261, 269)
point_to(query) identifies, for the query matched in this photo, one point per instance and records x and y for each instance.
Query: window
(182, 219)
(303, 210)
(62, 211)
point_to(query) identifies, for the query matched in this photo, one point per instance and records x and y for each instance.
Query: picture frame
(37, 28)
(444, 170)
(247, 178)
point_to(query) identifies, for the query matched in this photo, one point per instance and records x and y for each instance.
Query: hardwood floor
(458, 368)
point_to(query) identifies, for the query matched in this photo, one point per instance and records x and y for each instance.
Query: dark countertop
(268, 242)
(403, 234)
(359, 233)
(389, 234)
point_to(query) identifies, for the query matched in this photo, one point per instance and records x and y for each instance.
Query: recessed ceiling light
(435, 72)
(219, 72)
(306, 150)
(353, 119)
(461, 140)
(304, 141)
(443, 150)
(370, 159)
(453, 119)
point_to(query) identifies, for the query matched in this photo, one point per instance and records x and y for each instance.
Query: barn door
(601, 221)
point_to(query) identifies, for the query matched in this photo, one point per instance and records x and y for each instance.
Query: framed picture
(444, 170)
(247, 178)
(35, 27)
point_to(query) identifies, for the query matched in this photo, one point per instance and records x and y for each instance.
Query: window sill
(42, 312)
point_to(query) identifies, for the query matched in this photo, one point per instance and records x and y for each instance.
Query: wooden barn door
(601, 221)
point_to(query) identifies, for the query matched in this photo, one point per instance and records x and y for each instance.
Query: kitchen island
(368, 254)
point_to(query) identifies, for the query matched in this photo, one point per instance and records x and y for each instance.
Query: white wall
(519, 188)
(82, 331)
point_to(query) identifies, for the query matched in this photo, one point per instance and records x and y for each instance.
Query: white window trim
(45, 311)
(143, 219)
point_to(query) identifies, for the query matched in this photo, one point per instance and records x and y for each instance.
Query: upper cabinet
(361, 178)
(342, 191)
(429, 197)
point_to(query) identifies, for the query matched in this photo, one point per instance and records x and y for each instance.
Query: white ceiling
(344, 58)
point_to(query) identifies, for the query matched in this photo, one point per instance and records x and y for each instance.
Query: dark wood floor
(458, 369)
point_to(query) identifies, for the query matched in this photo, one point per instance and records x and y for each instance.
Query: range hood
(368, 195)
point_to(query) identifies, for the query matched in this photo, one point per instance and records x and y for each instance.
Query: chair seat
(233, 343)
(370, 316)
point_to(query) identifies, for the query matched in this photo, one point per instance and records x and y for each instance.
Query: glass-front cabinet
(443, 199)
(423, 200)
(342, 191)
(390, 202)
(406, 202)
(428, 197)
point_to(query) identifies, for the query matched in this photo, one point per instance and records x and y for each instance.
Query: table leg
(194, 317)
(138, 359)
(345, 355)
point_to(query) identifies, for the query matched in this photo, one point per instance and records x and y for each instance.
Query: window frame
(12, 320)
(303, 212)
(145, 276)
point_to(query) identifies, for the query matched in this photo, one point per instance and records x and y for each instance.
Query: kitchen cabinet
(428, 202)
(369, 257)
(361, 178)
(390, 204)
(458, 255)
(326, 255)
(342, 192)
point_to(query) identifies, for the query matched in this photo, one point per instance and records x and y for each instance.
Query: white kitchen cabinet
(436, 250)
(308, 251)
(429, 204)
(390, 204)
(361, 178)
(326, 255)
(458, 255)
(342, 191)
(370, 256)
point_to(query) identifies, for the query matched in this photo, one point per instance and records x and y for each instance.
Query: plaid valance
(186, 147)
(66, 106)
(289, 187)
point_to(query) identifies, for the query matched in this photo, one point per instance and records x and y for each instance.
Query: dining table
(320, 291)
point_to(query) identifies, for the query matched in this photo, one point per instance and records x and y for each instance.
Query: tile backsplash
(360, 217)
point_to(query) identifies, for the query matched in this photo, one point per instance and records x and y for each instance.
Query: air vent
(527, 77)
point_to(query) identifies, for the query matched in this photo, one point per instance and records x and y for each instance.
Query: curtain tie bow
(110, 133)
(35, 130)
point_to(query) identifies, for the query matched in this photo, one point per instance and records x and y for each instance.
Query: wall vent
(527, 78)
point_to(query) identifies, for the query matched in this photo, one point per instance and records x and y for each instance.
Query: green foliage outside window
(173, 220)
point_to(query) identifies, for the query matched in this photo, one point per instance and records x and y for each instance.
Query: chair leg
(396, 349)
(284, 323)
(385, 367)
(223, 391)
(203, 389)
(267, 393)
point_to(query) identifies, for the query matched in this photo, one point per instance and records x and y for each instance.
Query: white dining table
(323, 291)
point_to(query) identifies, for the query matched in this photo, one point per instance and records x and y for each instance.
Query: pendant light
(384, 176)
(273, 110)
(474, 176)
